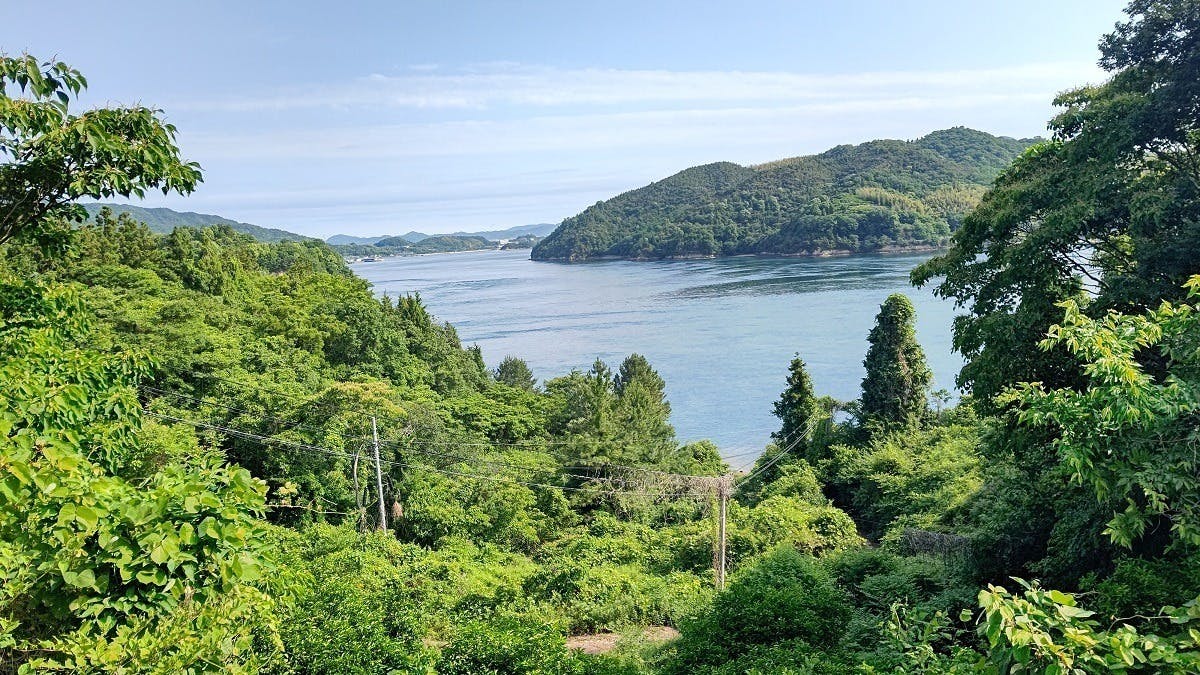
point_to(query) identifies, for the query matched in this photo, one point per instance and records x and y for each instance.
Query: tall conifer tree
(894, 390)
(796, 405)
(515, 373)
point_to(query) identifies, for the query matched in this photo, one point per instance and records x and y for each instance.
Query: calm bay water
(720, 332)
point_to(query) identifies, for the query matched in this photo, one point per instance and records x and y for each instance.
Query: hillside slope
(879, 195)
(162, 221)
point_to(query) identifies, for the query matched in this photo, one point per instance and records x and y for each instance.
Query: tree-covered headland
(884, 195)
(189, 427)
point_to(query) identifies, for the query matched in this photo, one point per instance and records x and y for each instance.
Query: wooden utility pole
(358, 505)
(724, 487)
(379, 477)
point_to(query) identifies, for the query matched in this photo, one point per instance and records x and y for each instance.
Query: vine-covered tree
(894, 390)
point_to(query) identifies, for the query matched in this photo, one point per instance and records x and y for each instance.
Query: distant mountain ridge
(876, 196)
(163, 220)
(351, 240)
(537, 229)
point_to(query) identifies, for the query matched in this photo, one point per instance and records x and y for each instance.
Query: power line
(288, 425)
(248, 387)
(415, 445)
(787, 442)
(336, 453)
(411, 446)
(527, 445)
(809, 428)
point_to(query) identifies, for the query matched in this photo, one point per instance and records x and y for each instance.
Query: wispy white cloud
(643, 130)
(505, 143)
(506, 84)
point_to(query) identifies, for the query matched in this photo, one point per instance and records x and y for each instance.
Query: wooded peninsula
(879, 196)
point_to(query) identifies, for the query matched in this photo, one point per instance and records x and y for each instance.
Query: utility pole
(724, 486)
(358, 505)
(379, 477)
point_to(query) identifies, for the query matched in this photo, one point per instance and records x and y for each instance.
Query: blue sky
(383, 117)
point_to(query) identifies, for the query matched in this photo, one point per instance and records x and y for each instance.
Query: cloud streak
(504, 144)
(491, 86)
(573, 133)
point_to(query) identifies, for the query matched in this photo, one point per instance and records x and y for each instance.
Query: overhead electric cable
(337, 453)
(415, 445)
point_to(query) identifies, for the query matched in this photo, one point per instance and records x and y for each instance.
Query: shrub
(787, 520)
(785, 597)
(508, 645)
(352, 590)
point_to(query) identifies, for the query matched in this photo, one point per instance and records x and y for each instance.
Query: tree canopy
(54, 156)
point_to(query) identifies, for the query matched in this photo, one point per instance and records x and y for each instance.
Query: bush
(787, 520)
(796, 479)
(608, 597)
(1143, 587)
(914, 478)
(784, 597)
(877, 580)
(508, 645)
(352, 590)
(794, 657)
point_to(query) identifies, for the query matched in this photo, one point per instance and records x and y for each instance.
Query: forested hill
(852, 198)
(162, 221)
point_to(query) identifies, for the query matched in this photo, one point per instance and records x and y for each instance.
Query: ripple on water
(721, 332)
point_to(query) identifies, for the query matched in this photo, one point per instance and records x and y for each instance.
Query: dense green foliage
(1108, 205)
(868, 197)
(785, 598)
(187, 481)
(53, 156)
(280, 342)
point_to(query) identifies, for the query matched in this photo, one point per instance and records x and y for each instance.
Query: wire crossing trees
(796, 405)
(894, 390)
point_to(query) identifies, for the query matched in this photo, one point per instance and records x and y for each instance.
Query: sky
(383, 117)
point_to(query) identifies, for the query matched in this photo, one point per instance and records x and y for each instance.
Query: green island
(221, 455)
(442, 243)
(419, 243)
(884, 195)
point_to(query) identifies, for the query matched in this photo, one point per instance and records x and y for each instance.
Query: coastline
(417, 255)
(823, 253)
